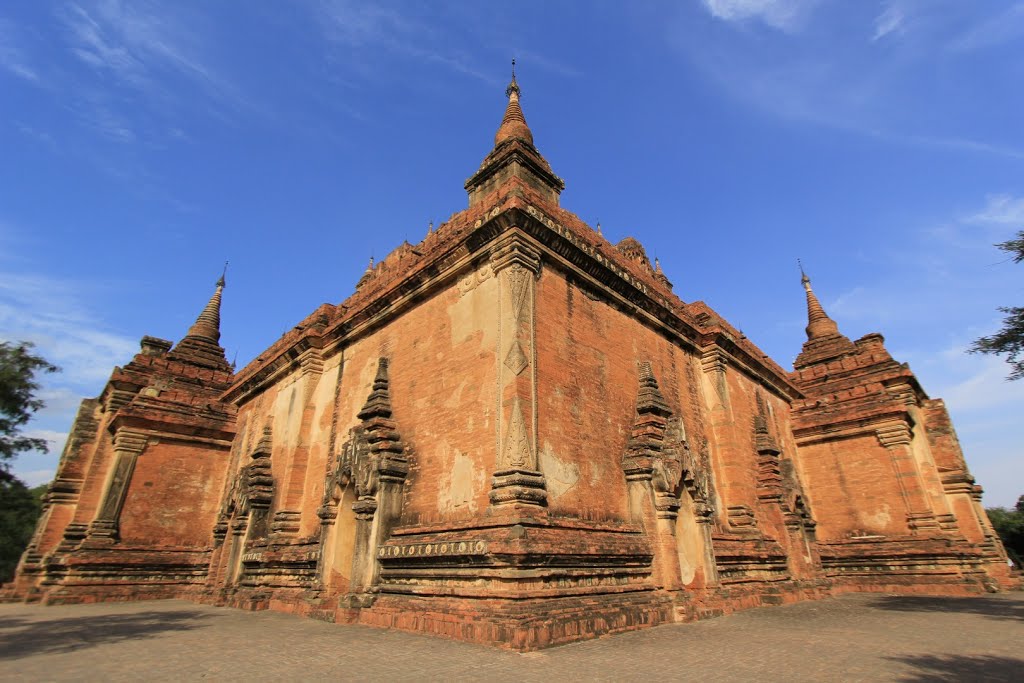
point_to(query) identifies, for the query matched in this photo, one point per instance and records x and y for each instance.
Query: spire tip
(222, 281)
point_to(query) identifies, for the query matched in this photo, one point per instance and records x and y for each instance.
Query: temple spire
(513, 159)
(207, 325)
(818, 323)
(513, 124)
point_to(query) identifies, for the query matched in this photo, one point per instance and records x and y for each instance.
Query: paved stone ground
(852, 638)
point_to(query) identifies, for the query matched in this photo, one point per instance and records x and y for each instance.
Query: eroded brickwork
(514, 433)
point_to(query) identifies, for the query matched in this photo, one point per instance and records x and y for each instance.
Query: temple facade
(512, 433)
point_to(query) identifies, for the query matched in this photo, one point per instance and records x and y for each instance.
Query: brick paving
(852, 638)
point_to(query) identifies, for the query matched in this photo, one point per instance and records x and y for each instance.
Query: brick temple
(512, 433)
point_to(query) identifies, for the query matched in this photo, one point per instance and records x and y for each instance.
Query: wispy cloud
(1000, 210)
(13, 57)
(993, 30)
(135, 42)
(888, 22)
(54, 314)
(931, 307)
(366, 26)
(142, 62)
(50, 313)
(827, 76)
(785, 15)
(94, 45)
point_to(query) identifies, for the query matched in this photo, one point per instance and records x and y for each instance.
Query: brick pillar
(289, 518)
(128, 445)
(897, 439)
(731, 452)
(517, 483)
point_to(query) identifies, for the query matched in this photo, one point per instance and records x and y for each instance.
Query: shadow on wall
(24, 637)
(1010, 607)
(938, 668)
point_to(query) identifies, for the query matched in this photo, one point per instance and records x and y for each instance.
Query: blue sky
(142, 144)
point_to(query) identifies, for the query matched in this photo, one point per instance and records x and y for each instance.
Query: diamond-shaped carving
(516, 360)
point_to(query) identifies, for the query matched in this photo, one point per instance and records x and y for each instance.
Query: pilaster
(128, 445)
(517, 481)
(897, 438)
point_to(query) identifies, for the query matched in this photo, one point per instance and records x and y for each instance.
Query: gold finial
(599, 228)
(430, 227)
(803, 276)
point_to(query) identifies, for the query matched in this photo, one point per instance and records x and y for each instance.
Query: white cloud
(54, 314)
(890, 20)
(33, 478)
(1000, 210)
(786, 15)
(49, 313)
(984, 389)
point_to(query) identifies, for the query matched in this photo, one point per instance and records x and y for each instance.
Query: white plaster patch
(474, 313)
(559, 476)
(458, 489)
(879, 521)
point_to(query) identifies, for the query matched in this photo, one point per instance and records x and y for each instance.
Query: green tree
(19, 512)
(19, 370)
(19, 506)
(1009, 524)
(1009, 341)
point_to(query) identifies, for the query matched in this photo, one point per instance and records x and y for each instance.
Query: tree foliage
(1009, 524)
(1008, 341)
(19, 512)
(19, 370)
(19, 505)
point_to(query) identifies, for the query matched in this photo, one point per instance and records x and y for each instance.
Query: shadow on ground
(997, 608)
(21, 637)
(941, 668)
